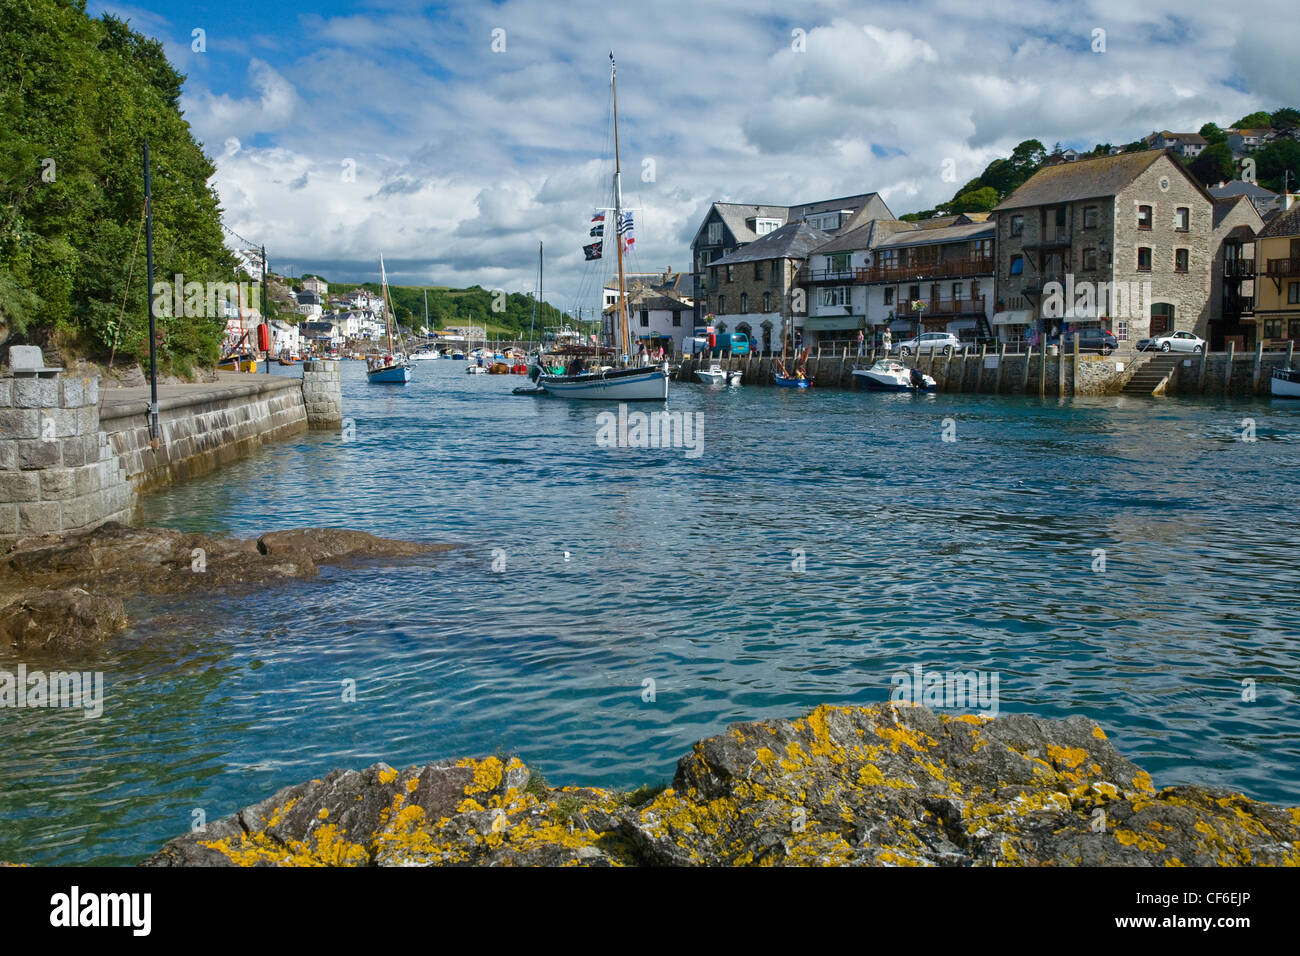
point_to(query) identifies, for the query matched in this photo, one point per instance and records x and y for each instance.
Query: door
(1162, 318)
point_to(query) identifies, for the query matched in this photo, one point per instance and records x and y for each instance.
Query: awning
(830, 323)
(1014, 317)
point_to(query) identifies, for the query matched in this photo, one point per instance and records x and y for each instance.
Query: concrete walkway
(122, 402)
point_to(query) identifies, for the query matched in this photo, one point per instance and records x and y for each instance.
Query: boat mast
(388, 309)
(426, 318)
(618, 216)
(532, 321)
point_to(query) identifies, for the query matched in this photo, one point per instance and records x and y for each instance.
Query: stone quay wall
(322, 393)
(58, 471)
(199, 431)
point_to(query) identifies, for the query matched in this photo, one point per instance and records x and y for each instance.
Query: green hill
(502, 313)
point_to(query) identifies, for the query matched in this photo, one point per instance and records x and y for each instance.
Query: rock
(334, 544)
(882, 785)
(66, 622)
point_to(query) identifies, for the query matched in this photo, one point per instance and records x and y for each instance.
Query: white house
(285, 336)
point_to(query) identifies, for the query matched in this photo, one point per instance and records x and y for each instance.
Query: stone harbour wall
(58, 471)
(322, 393)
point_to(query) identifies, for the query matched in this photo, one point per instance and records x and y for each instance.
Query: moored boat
(647, 384)
(713, 375)
(891, 375)
(790, 381)
(1285, 383)
(391, 368)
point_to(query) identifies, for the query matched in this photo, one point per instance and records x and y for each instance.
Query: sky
(454, 137)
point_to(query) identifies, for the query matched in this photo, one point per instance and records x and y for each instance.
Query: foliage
(77, 96)
(1214, 165)
(1257, 120)
(475, 305)
(1211, 133)
(1273, 160)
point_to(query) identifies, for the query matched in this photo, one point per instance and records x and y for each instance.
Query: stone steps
(1153, 373)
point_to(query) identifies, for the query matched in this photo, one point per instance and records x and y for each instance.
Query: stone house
(312, 284)
(1121, 241)
(728, 227)
(755, 289)
(1277, 280)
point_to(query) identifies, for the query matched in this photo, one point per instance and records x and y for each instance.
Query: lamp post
(919, 308)
(153, 329)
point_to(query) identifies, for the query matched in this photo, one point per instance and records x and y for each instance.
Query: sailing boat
(390, 369)
(622, 383)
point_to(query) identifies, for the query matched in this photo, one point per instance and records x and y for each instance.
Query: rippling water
(975, 554)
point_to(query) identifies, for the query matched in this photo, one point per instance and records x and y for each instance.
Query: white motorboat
(424, 355)
(735, 376)
(473, 368)
(1285, 383)
(714, 375)
(891, 375)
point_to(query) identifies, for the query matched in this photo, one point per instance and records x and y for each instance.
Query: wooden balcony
(947, 308)
(944, 269)
(1239, 268)
(1283, 267)
(826, 275)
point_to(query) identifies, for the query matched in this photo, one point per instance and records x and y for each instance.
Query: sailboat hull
(612, 385)
(392, 375)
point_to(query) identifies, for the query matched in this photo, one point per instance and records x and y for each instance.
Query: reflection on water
(969, 555)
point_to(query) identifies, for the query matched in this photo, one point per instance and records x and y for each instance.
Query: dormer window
(763, 226)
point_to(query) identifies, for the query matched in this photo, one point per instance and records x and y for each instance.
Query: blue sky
(462, 156)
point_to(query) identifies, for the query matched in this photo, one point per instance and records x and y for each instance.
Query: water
(969, 555)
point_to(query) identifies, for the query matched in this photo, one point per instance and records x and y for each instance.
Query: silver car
(944, 342)
(1173, 342)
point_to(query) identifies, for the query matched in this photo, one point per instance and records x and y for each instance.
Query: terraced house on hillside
(1139, 222)
(728, 227)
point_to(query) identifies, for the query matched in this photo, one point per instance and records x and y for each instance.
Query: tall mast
(388, 309)
(618, 214)
(426, 317)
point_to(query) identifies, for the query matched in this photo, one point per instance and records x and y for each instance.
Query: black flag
(592, 251)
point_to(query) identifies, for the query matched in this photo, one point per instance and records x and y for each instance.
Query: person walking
(862, 343)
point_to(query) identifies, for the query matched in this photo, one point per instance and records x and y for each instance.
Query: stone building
(755, 289)
(1232, 278)
(1121, 241)
(728, 227)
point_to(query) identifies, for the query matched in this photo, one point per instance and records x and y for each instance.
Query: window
(913, 293)
(645, 318)
(1121, 330)
(1180, 260)
(1090, 217)
(1144, 259)
(715, 233)
(1292, 293)
(1182, 219)
(839, 262)
(763, 226)
(731, 273)
(744, 302)
(767, 302)
(1017, 265)
(1017, 225)
(889, 295)
(1090, 259)
(1144, 217)
(722, 304)
(758, 268)
(835, 295)
(1295, 329)
(956, 291)
(981, 249)
(888, 259)
(677, 319)
(1273, 329)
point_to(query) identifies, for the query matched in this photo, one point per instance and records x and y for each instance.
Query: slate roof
(964, 232)
(1239, 187)
(1090, 178)
(792, 241)
(1283, 224)
(735, 214)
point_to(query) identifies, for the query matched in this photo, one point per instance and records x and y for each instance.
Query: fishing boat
(238, 362)
(392, 368)
(1285, 383)
(459, 355)
(620, 382)
(891, 375)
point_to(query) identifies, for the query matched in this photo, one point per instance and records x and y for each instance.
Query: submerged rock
(881, 785)
(65, 622)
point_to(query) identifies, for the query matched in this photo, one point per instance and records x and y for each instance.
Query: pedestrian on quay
(862, 343)
(886, 341)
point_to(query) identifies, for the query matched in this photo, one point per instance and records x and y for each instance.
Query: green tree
(977, 200)
(1256, 120)
(1285, 118)
(1274, 160)
(1211, 133)
(1214, 165)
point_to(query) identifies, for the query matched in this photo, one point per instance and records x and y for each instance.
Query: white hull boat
(424, 355)
(474, 369)
(1285, 383)
(889, 375)
(714, 375)
(611, 384)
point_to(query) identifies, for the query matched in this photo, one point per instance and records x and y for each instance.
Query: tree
(1285, 118)
(977, 200)
(1273, 161)
(1257, 120)
(1211, 133)
(1214, 165)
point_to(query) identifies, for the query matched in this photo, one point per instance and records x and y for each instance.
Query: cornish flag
(592, 251)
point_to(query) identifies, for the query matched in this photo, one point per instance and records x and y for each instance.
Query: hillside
(448, 306)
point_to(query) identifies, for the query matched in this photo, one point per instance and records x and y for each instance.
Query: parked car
(944, 342)
(1090, 340)
(733, 343)
(1173, 342)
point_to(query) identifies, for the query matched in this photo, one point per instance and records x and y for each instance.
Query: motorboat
(891, 375)
(473, 368)
(459, 355)
(424, 355)
(714, 375)
(1285, 383)
(735, 376)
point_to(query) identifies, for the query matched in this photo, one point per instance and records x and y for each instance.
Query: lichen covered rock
(882, 785)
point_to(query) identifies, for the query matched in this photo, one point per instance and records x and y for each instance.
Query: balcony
(944, 269)
(1059, 241)
(1283, 267)
(1235, 306)
(812, 276)
(946, 308)
(1239, 268)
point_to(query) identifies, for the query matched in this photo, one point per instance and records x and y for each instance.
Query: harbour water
(820, 544)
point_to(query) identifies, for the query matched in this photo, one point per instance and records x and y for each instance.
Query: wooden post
(1227, 372)
(979, 370)
(1042, 372)
(1074, 383)
(1259, 365)
(947, 372)
(1002, 358)
(1024, 376)
(1290, 353)
(961, 385)
(1200, 378)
